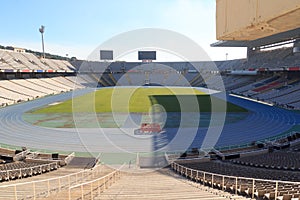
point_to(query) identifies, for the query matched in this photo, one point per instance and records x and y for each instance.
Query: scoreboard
(106, 55)
(147, 55)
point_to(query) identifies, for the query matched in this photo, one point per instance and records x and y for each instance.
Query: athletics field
(113, 104)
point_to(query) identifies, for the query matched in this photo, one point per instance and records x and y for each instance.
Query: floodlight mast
(42, 30)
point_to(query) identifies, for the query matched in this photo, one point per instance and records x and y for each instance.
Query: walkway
(161, 184)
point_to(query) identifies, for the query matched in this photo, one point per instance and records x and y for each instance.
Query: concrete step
(160, 184)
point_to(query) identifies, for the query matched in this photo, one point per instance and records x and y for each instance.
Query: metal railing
(69, 158)
(241, 185)
(90, 189)
(45, 187)
(21, 155)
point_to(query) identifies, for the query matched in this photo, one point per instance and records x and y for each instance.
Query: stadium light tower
(42, 30)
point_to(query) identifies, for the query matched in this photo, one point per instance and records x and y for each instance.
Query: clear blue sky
(76, 27)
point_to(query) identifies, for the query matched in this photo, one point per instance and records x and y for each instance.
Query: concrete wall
(253, 19)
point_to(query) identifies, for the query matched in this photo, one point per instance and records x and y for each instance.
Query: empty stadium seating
(20, 164)
(273, 88)
(18, 90)
(56, 185)
(17, 170)
(264, 59)
(270, 174)
(27, 61)
(273, 160)
(234, 179)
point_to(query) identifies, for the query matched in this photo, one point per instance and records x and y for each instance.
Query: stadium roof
(284, 37)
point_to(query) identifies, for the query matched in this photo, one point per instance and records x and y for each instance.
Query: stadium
(108, 129)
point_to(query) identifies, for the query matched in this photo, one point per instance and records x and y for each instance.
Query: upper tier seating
(9, 62)
(27, 61)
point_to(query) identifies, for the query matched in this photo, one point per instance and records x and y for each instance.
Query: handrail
(44, 187)
(184, 170)
(42, 159)
(95, 184)
(239, 177)
(22, 154)
(39, 181)
(92, 181)
(69, 158)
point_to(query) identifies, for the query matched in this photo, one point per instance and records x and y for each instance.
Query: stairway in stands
(64, 195)
(82, 162)
(161, 184)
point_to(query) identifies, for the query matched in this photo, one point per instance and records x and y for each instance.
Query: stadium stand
(27, 83)
(268, 168)
(254, 77)
(270, 76)
(50, 183)
(78, 81)
(27, 61)
(18, 90)
(16, 96)
(232, 178)
(9, 85)
(83, 162)
(270, 59)
(274, 160)
(289, 87)
(23, 163)
(25, 77)
(283, 94)
(34, 60)
(269, 173)
(13, 63)
(66, 82)
(129, 79)
(113, 79)
(60, 184)
(18, 170)
(19, 57)
(46, 84)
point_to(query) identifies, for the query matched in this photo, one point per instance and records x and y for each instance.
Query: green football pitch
(109, 107)
(137, 100)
